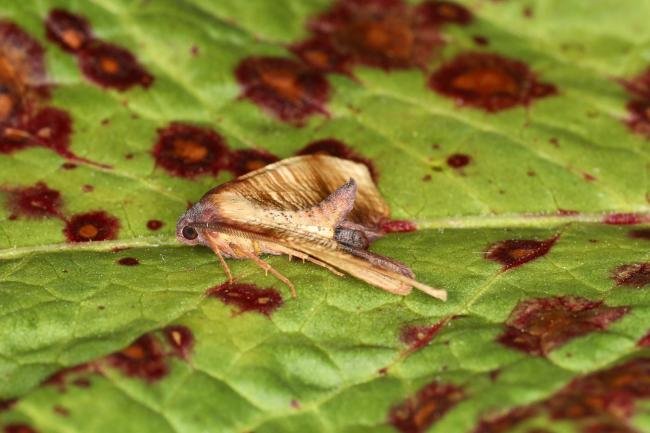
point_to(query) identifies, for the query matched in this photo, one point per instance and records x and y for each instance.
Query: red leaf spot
(247, 297)
(188, 151)
(143, 359)
(397, 226)
(417, 413)
(625, 218)
(538, 326)
(37, 201)
(154, 225)
(128, 261)
(458, 160)
(111, 66)
(527, 12)
(489, 81)
(246, 160)
(515, 252)
(417, 337)
(71, 32)
(180, 339)
(334, 147)
(633, 275)
(91, 226)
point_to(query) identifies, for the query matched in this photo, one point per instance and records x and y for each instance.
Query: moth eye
(189, 233)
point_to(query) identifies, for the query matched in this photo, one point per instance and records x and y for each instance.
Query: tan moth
(318, 208)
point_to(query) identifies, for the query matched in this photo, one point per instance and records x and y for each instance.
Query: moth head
(191, 225)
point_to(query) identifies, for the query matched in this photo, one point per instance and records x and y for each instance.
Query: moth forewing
(319, 208)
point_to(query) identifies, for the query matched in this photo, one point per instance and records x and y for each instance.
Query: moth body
(315, 207)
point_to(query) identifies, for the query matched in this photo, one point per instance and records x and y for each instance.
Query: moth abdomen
(351, 238)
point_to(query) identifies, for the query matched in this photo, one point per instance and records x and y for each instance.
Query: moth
(317, 208)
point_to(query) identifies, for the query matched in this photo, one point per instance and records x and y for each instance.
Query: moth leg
(294, 253)
(267, 268)
(215, 247)
(225, 266)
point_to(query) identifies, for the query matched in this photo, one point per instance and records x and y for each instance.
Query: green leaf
(551, 331)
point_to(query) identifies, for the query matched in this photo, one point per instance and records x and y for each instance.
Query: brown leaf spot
(439, 12)
(143, 359)
(189, 151)
(37, 201)
(19, 428)
(504, 422)
(626, 218)
(538, 326)
(128, 261)
(69, 31)
(458, 160)
(640, 234)
(112, 66)
(417, 413)
(287, 89)
(633, 274)
(154, 225)
(612, 392)
(247, 297)
(91, 226)
(321, 54)
(489, 81)
(639, 105)
(334, 147)
(6, 405)
(246, 160)
(181, 339)
(515, 252)
(417, 337)
(60, 410)
(386, 34)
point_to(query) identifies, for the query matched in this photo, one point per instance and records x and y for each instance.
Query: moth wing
(378, 276)
(328, 251)
(302, 182)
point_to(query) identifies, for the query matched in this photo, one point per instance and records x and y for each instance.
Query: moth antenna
(266, 267)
